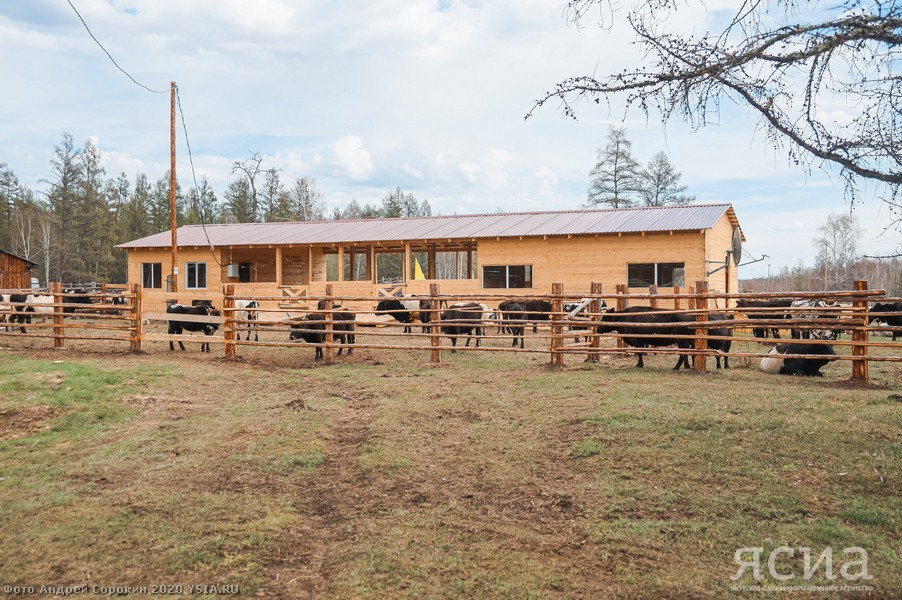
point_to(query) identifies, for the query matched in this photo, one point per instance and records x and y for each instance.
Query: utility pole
(172, 184)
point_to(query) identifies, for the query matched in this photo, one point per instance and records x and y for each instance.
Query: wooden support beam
(431, 266)
(407, 255)
(278, 265)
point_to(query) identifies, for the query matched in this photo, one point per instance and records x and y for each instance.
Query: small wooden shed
(15, 271)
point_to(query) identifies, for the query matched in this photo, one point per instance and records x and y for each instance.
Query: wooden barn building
(504, 253)
(15, 271)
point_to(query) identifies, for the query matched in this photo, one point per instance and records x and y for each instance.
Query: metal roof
(454, 227)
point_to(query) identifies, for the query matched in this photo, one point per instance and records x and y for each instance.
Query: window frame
(156, 275)
(528, 277)
(657, 273)
(188, 283)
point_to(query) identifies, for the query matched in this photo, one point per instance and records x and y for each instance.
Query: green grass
(488, 476)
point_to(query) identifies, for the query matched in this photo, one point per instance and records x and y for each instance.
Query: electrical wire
(203, 224)
(110, 56)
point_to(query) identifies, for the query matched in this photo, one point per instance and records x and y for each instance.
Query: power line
(203, 224)
(110, 56)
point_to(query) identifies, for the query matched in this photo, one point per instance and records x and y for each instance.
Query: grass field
(489, 476)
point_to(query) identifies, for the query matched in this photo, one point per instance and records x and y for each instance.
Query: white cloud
(438, 89)
(353, 157)
(489, 170)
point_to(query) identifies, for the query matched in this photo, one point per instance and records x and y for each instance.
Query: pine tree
(306, 201)
(616, 175)
(238, 203)
(661, 183)
(63, 197)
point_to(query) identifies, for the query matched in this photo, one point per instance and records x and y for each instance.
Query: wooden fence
(556, 338)
(114, 313)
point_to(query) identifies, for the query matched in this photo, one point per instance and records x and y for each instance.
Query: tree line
(70, 230)
(838, 263)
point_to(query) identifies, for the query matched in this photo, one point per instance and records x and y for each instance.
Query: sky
(426, 95)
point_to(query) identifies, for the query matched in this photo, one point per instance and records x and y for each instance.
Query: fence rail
(561, 333)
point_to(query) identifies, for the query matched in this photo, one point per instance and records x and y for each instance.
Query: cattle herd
(639, 327)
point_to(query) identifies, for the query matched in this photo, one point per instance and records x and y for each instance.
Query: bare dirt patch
(25, 420)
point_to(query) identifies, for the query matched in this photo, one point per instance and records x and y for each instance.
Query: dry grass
(385, 476)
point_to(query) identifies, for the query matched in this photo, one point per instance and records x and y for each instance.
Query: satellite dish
(737, 246)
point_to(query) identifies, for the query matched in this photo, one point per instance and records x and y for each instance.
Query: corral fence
(108, 312)
(566, 332)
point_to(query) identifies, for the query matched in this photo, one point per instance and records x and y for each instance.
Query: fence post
(701, 333)
(653, 291)
(329, 350)
(435, 321)
(59, 329)
(676, 301)
(622, 304)
(595, 309)
(691, 293)
(137, 332)
(228, 320)
(860, 336)
(557, 330)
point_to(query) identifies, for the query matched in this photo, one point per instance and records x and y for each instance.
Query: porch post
(278, 265)
(406, 262)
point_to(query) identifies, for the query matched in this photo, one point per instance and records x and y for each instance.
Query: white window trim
(188, 285)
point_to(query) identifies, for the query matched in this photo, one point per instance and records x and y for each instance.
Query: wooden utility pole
(172, 205)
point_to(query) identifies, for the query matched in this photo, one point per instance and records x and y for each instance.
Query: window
(245, 273)
(196, 273)
(152, 275)
(510, 276)
(659, 274)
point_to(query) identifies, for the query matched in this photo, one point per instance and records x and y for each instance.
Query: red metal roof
(551, 223)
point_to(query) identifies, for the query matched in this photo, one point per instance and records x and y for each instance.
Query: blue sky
(426, 95)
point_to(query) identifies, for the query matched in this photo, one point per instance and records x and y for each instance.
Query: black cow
(761, 332)
(725, 330)
(75, 296)
(891, 320)
(176, 327)
(536, 310)
(462, 321)
(343, 326)
(396, 310)
(514, 320)
(809, 367)
(636, 320)
(312, 329)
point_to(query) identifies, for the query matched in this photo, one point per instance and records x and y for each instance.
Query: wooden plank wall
(15, 273)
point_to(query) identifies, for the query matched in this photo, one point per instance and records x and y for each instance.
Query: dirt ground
(490, 475)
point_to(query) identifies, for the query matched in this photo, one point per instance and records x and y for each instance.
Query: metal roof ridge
(471, 215)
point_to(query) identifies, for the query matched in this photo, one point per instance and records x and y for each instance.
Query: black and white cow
(251, 314)
(801, 316)
(890, 314)
(760, 312)
(809, 367)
